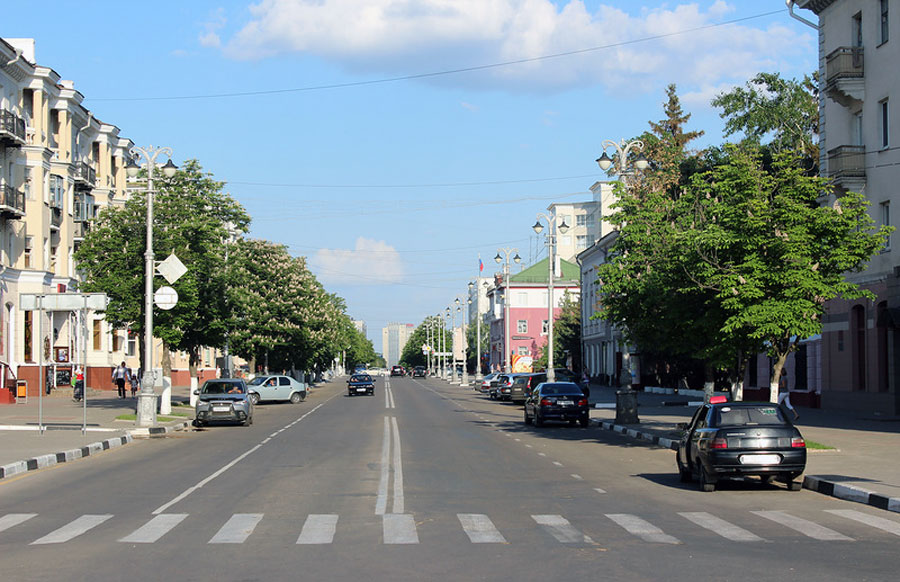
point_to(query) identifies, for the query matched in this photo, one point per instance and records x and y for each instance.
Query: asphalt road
(423, 481)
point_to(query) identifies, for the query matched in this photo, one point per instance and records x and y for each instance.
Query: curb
(810, 482)
(63, 457)
(159, 431)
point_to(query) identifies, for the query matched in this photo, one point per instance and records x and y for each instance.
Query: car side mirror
(196, 392)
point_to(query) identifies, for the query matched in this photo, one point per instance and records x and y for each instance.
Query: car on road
(523, 384)
(500, 389)
(397, 371)
(276, 388)
(485, 386)
(360, 384)
(563, 401)
(223, 400)
(740, 439)
(419, 372)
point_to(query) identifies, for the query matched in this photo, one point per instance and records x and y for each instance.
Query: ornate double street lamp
(507, 363)
(551, 259)
(146, 410)
(621, 160)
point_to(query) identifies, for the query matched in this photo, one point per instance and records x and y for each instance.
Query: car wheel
(538, 421)
(585, 422)
(791, 484)
(295, 398)
(303, 396)
(248, 421)
(527, 418)
(572, 422)
(684, 474)
(254, 399)
(350, 394)
(707, 484)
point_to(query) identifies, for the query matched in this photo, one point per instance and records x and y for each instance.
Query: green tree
(412, 352)
(191, 213)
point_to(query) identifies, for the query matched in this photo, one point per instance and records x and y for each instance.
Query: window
(97, 335)
(131, 347)
(116, 341)
(858, 129)
(29, 242)
(885, 124)
(29, 193)
(581, 242)
(29, 330)
(884, 21)
(886, 221)
(522, 326)
(523, 350)
(57, 191)
(544, 327)
(857, 30)
(581, 220)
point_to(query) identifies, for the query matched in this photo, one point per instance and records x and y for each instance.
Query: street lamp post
(146, 410)
(551, 258)
(506, 344)
(453, 344)
(446, 322)
(465, 338)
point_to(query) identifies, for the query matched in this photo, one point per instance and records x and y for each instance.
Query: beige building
(583, 220)
(860, 152)
(58, 166)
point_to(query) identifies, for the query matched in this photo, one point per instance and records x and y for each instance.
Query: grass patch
(158, 418)
(819, 446)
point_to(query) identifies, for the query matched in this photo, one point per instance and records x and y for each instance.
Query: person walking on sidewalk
(784, 395)
(78, 394)
(121, 375)
(135, 381)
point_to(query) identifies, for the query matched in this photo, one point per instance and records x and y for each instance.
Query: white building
(393, 339)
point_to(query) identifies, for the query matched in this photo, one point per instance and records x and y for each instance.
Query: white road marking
(188, 491)
(806, 527)
(391, 394)
(72, 529)
(578, 477)
(598, 490)
(642, 529)
(381, 499)
(542, 454)
(720, 526)
(399, 529)
(563, 531)
(480, 529)
(154, 529)
(12, 519)
(881, 523)
(318, 529)
(237, 529)
(398, 469)
(557, 463)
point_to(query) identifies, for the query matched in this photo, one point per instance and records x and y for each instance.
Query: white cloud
(210, 37)
(370, 262)
(400, 37)
(469, 106)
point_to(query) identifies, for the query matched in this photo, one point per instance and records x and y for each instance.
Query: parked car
(523, 384)
(275, 388)
(419, 372)
(223, 399)
(397, 371)
(486, 383)
(360, 384)
(501, 390)
(557, 401)
(738, 439)
(562, 375)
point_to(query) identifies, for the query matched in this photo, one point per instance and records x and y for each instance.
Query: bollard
(626, 407)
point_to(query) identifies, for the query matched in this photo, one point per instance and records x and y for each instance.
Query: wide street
(423, 481)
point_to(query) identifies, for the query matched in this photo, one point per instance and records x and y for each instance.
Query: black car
(397, 371)
(738, 439)
(360, 384)
(562, 401)
(419, 372)
(524, 384)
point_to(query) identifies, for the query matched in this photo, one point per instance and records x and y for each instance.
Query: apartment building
(583, 220)
(393, 339)
(860, 152)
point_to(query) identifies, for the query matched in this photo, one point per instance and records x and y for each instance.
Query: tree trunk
(709, 383)
(776, 374)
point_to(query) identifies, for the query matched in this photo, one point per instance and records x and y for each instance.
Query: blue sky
(392, 141)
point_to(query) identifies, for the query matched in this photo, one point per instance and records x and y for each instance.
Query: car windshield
(222, 388)
(361, 378)
(560, 389)
(749, 415)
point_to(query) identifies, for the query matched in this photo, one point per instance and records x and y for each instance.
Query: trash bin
(626, 407)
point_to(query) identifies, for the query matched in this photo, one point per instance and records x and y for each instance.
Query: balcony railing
(843, 63)
(85, 175)
(12, 128)
(847, 161)
(55, 216)
(80, 229)
(12, 201)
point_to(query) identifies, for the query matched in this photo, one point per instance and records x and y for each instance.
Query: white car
(274, 388)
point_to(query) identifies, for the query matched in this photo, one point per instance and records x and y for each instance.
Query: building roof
(539, 272)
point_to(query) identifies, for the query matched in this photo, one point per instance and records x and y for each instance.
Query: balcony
(847, 167)
(12, 202)
(12, 129)
(80, 230)
(85, 176)
(55, 217)
(845, 76)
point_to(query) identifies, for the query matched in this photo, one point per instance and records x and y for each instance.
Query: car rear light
(720, 443)
(718, 399)
(546, 402)
(798, 443)
(582, 402)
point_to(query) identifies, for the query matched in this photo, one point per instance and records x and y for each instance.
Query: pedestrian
(50, 383)
(784, 395)
(135, 382)
(78, 393)
(121, 375)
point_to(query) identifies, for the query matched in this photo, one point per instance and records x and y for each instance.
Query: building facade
(393, 339)
(860, 152)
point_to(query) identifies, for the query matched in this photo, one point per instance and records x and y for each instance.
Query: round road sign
(165, 298)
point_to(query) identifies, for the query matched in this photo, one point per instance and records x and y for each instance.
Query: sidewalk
(863, 467)
(24, 447)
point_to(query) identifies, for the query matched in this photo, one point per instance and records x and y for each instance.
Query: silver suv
(223, 399)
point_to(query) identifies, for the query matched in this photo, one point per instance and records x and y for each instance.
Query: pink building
(528, 296)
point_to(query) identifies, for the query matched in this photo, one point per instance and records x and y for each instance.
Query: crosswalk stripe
(804, 526)
(480, 529)
(237, 529)
(154, 529)
(12, 519)
(560, 528)
(642, 529)
(881, 523)
(72, 530)
(318, 529)
(720, 526)
(399, 528)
